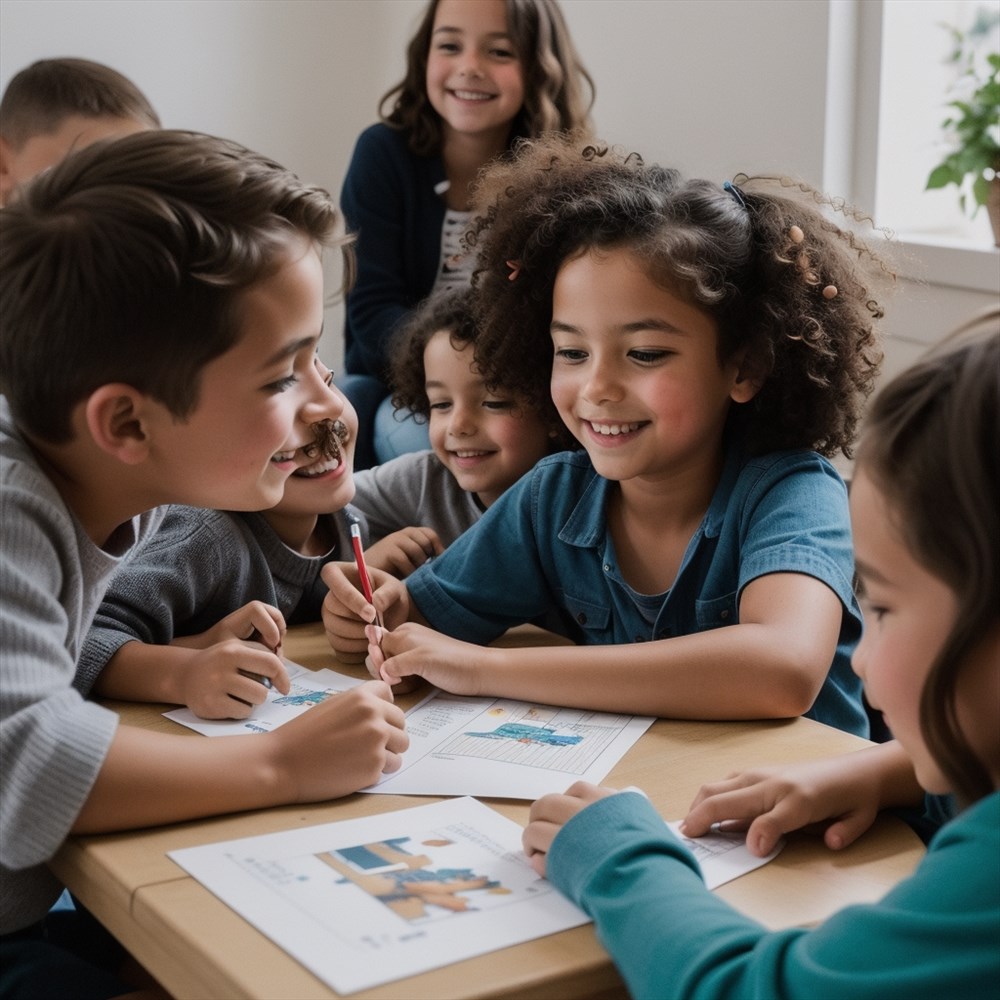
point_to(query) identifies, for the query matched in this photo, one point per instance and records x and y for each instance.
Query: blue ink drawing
(542, 735)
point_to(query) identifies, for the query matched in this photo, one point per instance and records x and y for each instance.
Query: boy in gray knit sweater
(162, 301)
(169, 627)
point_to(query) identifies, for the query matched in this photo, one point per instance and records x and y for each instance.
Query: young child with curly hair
(929, 659)
(707, 345)
(483, 439)
(479, 74)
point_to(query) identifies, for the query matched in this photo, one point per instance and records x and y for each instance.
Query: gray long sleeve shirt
(52, 742)
(199, 567)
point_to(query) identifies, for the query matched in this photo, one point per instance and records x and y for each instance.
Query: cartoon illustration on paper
(414, 886)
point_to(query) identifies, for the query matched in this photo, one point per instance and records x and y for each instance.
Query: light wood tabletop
(198, 948)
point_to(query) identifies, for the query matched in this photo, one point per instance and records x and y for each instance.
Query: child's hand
(551, 813)
(228, 680)
(346, 612)
(376, 658)
(839, 793)
(345, 743)
(413, 651)
(403, 551)
(256, 621)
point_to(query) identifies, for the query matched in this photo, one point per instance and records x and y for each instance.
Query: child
(705, 342)
(483, 440)
(55, 106)
(929, 660)
(162, 301)
(203, 607)
(479, 74)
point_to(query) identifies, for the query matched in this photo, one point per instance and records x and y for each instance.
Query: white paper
(309, 687)
(499, 748)
(723, 856)
(368, 901)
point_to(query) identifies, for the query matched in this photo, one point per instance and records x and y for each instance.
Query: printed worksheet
(723, 856)
(309, 687)
(368, 901)
(506, 749)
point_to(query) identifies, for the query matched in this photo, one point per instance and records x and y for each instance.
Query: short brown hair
(123, 263)
(42, 95)
(558, 90)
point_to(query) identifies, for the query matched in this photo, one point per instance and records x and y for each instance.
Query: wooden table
(198, 948)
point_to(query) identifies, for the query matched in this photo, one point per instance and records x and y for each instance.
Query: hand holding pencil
(348, 608)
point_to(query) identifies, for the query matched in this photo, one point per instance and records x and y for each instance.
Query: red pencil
(359, 558)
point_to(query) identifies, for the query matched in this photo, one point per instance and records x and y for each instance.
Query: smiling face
(635, 374)
(257, 402)
(475, 80)
(484, 439)
(327, 483)
(909, 614)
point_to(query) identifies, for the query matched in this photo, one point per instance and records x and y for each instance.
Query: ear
(117, 417)
(748, 381)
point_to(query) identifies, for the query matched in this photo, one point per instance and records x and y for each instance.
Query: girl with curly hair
(707, 346)
(924, 503)
(483, 439)
(479, 75)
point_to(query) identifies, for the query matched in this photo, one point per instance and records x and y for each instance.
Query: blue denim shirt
(544, 547)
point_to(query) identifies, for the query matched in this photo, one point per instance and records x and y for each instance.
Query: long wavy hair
(558, 90)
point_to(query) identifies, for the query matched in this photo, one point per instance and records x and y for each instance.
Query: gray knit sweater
(415, 489)
(52, 741)
(199, 567)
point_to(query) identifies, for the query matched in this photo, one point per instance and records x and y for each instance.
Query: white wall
(710, 86)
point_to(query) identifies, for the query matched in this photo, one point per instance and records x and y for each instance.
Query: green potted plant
(973, 127)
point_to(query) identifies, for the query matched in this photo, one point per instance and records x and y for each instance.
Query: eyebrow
(460, 31)
(863, 569)
(289, 350)
(636, 326)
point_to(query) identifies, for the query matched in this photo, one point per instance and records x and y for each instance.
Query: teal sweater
(937, 934)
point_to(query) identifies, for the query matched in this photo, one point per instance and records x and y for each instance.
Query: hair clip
(732, 189)
(515, 269)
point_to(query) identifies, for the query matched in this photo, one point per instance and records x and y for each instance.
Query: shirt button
(581, 618)
(607, 568)
(724, 615)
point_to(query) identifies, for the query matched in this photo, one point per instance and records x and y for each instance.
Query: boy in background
(56, 106)
(162, 302)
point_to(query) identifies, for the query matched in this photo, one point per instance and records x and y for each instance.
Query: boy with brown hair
(162, 301)
(55, 106)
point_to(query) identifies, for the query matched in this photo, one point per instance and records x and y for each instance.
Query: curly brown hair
(558, 90)
(452, 312)
(761, 259)
(456, 313)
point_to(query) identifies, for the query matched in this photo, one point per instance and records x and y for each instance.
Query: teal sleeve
(936, 934)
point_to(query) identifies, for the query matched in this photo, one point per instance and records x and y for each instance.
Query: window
(916, 82)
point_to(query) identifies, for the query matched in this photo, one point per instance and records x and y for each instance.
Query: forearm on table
(142, 671)
(149, 778)
(736, 672)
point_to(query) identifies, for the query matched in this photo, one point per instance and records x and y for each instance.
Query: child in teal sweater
(928, 659)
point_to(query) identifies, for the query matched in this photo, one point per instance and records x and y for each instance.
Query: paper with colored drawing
(308, 688)
(506, 749)
(368, 901)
